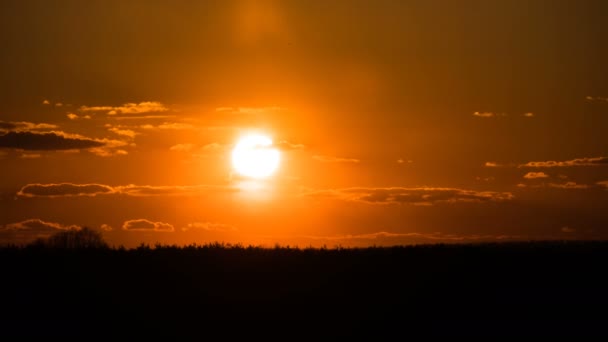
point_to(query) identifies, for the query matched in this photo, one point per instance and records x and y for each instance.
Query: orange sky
(398, 122)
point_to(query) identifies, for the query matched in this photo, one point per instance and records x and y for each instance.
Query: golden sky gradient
(397, 121)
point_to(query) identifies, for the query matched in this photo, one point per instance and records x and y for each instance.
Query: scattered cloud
(212, 147)
(569, 185)
(37, 225)
(58, 104)
(46, 102)
(521, 185)
(54, 190)
(182, 147)
(128, 108)
(147, 226)
(73, 116)
(595, 161)
(106, 228)
(528, 114)
(603, 184)
(413, 196)
(209, 226)
(403, 161)
(46, 141)
(491, 164)
(534, 175)
(330, 159)
(286, 146)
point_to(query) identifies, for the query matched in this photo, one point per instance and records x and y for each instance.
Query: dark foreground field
(206, 292)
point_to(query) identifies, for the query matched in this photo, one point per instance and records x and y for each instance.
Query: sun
(253, 156)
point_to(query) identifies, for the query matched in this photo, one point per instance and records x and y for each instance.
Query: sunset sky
(397, 122)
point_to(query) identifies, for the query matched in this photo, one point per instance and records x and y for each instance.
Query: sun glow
(253, 156)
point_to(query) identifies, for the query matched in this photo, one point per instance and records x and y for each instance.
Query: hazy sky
(397, 121)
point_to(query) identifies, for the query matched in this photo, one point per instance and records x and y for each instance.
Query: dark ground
(552, 289)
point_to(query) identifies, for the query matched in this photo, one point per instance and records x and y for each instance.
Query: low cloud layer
(54, 190)
(46, 141)
(147, 225)
(28, 230)
(413, 196)
(595, 161)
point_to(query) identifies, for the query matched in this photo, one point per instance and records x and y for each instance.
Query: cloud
(209, 226)
(391, 239)
(528, 114)
(128, 108)
(491, 164)
(568, 230)
(569, 185)
(125, 132)
(182, 147)
(169, 126)
(30, 155)
(596, 98)
(46, 102)
(403, 161)
(488, 114)
(603, 184)
(249, 110)
(330, 159)
(413, 196)
(54, 190)
(212, 147)
(146, 225)
(286, 146)
(106, 227)
(24, 126)
(58, 104)
(72, 116)
(46, 141)
(595, 161)
(31, 229)
(534, 175)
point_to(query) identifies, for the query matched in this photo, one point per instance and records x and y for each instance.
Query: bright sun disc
(254, 156)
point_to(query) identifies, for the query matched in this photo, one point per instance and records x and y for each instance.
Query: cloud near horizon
(594, 161)
(413, 196)
(147, 225)
(54, 190)
(209, 226)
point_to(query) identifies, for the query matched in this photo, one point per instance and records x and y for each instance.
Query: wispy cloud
(286, 146)
(528, 114)
(147, 226)
(330, 159)
(24, 126)
(124, 132)
(249, 110)
(534, 175)
(128, 108)
(54, 190)
(169, 126)
(595, 161)
(596, 98)
(182, 147)
(488, 114)
(46, 141)
(413, 196)
(209, 226)
(491, 164)
(603, 184)
(73, 116)
(569, 185)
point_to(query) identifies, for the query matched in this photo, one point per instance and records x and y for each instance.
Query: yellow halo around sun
(253, 156)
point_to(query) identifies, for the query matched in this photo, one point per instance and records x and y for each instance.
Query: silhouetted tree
(74, 238)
